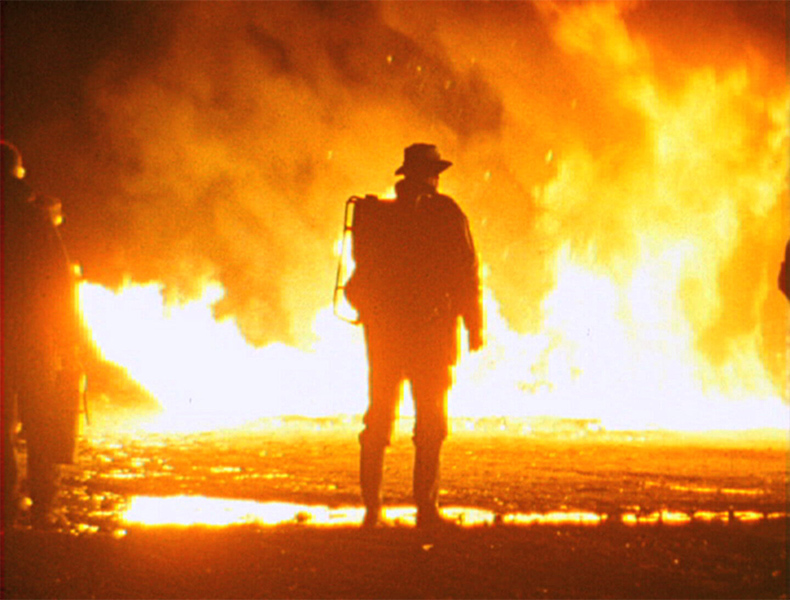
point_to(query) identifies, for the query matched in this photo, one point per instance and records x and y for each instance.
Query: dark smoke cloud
(196, 141)
(220, 140)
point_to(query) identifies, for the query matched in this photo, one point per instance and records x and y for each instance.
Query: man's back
(413, 258)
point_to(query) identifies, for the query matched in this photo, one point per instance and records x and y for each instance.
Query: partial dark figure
(784, 276)
(416, 274)
(40, 334)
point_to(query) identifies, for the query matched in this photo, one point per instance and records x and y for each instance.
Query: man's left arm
(784, 274)
(471, 293)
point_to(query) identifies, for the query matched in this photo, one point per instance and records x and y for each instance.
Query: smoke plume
(194, 142)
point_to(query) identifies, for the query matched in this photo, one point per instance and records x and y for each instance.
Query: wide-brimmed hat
(422, 158)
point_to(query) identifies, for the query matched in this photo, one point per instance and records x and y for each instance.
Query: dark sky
(218, 141)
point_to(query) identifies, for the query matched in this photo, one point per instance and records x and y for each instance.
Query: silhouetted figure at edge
(40, 333)
(416, 274)
(784, 275)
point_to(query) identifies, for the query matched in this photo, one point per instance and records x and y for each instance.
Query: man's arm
(471, 293)
(784, 276)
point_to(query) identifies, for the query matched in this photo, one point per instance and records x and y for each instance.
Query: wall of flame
(624, 167)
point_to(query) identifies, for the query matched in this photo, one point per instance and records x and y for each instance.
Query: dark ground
(705, 561)
(501, 471)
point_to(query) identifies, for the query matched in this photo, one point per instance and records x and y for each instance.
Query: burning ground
(722, 532)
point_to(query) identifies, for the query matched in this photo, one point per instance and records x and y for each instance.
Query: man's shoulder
(443, 202)
(443, 199)
(446, 206)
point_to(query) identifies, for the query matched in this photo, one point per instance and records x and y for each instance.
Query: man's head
(11, 161)
(422, 161)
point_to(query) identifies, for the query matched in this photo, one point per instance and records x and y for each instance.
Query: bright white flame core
(621, 354)
(199, 510)
(205, 374)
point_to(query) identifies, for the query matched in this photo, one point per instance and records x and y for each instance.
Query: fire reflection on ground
(302, 474)
(200, 510)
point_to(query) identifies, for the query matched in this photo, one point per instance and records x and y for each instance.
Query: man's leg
(39, 413)
(43, 475)
(430, 398)
(384, 382)
(371, 475)
(43, 469)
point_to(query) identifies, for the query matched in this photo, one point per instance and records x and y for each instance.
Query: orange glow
(555, 518)
(712, 490)
(626, 368)
(630, 220)
(188, 511)
(204, 373)
(665, 517)
(199, 510)
(219, 512)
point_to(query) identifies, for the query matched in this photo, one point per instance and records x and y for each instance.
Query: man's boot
(426, 486)
(43, 476)
(371, 473)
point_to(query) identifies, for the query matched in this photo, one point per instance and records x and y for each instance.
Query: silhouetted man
(40, 332)
(416, 274)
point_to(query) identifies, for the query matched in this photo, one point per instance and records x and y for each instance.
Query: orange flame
(630, 363)
(205, 374)
(659, 243)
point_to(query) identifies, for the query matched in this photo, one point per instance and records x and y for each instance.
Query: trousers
(29, 398)
(394, 358)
